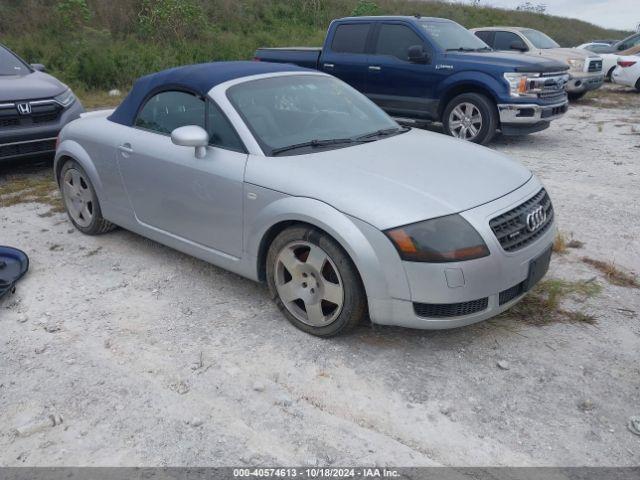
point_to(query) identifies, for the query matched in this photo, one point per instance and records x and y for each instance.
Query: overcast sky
(621, 14)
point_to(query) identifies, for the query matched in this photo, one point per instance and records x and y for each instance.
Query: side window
(487, 37)
(350, 38)
(395, 40)
(167, 111)
(221, 132)
(504, 40)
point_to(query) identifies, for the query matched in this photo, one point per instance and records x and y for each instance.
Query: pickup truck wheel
(472, 117)
(314, 283)
(80, 200)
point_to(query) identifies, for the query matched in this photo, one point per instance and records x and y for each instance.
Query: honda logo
(536, 218)
(24, 108)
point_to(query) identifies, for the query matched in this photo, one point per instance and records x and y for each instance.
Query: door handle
(125, 149)
(374, 68)
(329, 65)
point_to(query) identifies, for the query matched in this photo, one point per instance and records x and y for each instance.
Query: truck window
(395, 40)
(539, 39)
(504, 40)
(487, 37)
(350, 38)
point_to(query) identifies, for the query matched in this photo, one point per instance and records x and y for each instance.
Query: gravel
(134, 317)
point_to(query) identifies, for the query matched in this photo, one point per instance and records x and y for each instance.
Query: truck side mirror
(417, 54)
(518, 46)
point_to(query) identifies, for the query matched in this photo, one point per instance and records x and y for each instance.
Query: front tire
(472, 117)
(80, 200)
(314, 283)
(576, 96)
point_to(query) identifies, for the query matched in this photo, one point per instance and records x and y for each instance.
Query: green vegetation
(96, 44)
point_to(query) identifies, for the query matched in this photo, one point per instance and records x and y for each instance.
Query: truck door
(345, 53)
(401, 87)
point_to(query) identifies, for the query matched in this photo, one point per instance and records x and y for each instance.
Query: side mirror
(621, 47)
(416, 54)
(38, 67)
(518, 46)
(191, 136)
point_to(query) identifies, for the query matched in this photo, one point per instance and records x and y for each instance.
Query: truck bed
(304, 56)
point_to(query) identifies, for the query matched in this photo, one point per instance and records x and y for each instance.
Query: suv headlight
(443, 239)
(66, 98)
(524, 84)
(576, 64)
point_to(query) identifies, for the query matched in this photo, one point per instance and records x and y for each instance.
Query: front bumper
(584, 83)
(523, 114)
(35, 139)
(469, 282)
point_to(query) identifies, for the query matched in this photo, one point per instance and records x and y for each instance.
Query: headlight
(443, 239)
(524, 84)
(576, 64)
(66, 98)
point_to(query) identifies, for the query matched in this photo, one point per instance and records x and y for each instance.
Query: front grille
(511, 293)
(553, 86)
(444, 310)
(595, 66)
(28, 148)
(511, 229)
(40, 114)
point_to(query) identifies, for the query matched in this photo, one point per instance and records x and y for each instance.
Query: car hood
(399, 180)
(567, 53)
(32, 86)
(509, 61)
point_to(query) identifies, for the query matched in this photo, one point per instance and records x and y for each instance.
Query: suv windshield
(298, 113)
(10, 64)
(452, 36)
(539, 39)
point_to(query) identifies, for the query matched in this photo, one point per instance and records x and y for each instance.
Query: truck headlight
(66, 98)
(576, 64)
(524, 84)
(443, 239)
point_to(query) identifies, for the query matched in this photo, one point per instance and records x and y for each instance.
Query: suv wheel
(80, 200)
(314, 282)
(472, 117)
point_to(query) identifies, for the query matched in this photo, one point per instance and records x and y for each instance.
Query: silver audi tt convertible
(290, 177)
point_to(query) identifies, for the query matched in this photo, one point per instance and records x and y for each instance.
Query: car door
(346, 55)
(393, 82)
(172, 191)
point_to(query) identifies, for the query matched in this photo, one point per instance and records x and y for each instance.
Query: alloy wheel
(465, 121)
(77, 196)
(309, 283)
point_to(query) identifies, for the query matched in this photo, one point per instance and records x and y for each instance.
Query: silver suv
(34, 106)
(585, 68)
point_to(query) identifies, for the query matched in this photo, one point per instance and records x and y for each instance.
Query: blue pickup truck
(431, 69)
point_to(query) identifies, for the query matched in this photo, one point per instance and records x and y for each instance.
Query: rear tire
(314, 283)
(80, 200)
(472, 117)
(638, 85)
(609, 76)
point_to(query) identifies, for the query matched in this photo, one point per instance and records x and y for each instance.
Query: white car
(628, 71)
(596, 47)
(610, 60)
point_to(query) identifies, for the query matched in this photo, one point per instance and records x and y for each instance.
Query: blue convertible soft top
(199, 79)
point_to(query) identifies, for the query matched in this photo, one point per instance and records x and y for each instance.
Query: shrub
(364, 8)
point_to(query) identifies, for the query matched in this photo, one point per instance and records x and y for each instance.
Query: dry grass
(613, 274)
(561, 245)
(542, 306)
(611, 96)
(21, 188)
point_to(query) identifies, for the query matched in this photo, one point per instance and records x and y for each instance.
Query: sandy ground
(144, 356)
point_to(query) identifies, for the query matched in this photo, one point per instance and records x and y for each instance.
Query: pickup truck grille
(553, 87)
(511, 228)
(595, 65)
(42, 112)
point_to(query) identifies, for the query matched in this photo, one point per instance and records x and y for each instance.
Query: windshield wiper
(383, 132)
(460, 49)
(313, 144)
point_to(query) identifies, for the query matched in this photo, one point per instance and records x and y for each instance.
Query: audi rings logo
(536, 218)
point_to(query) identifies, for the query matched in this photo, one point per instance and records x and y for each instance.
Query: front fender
(372, 253)
(71, 148)
(478, 79)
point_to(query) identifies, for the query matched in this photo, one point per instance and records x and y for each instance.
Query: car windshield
(298, 113)
(452, 36)
(539, 39)
(10, 64)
